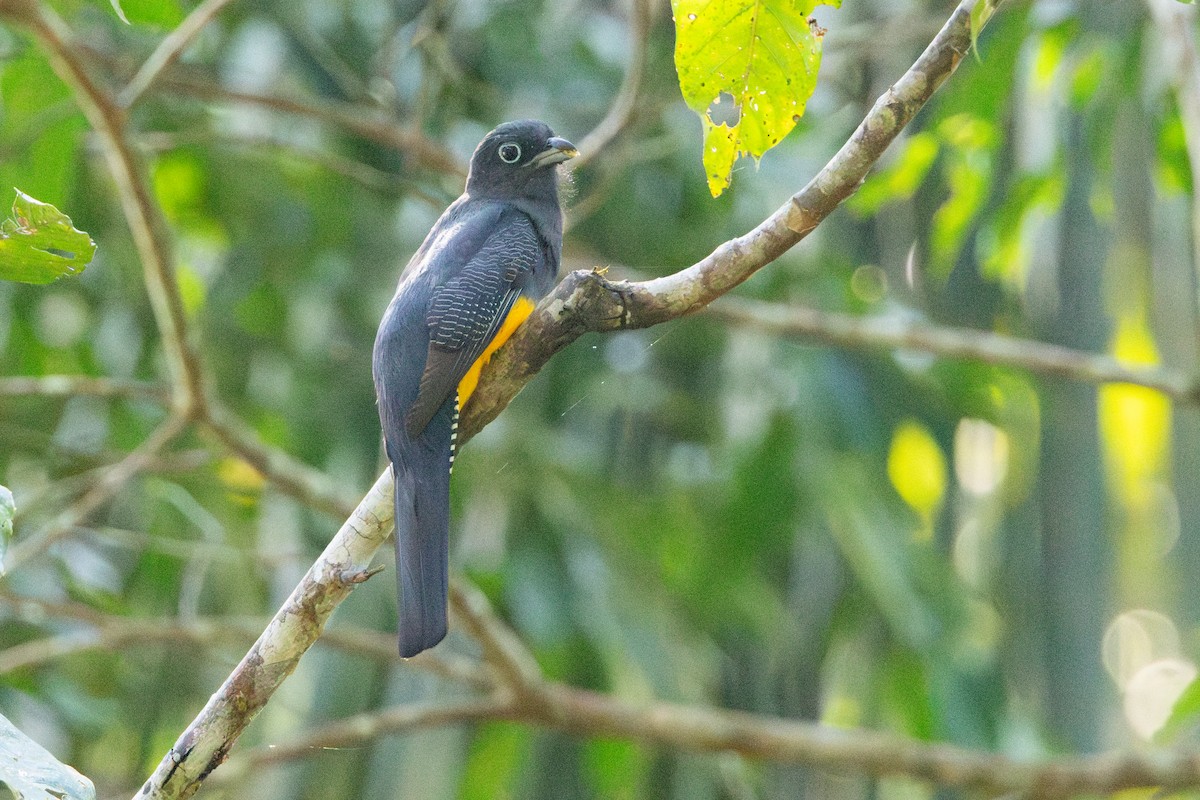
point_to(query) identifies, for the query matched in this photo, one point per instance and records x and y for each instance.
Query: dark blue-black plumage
(498, 242)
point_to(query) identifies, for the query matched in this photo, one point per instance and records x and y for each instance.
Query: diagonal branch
(624, 104)
(145, 220)
(106, 488)
(293, 477)
(512, 661)
(586, 302)
(344, 564)
(169, 50)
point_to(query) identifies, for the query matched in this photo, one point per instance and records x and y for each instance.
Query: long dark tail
(422, 476)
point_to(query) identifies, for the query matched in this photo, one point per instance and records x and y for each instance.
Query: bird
(477, 276)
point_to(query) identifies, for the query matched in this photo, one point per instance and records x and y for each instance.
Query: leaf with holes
(763, 56)
(38, 244)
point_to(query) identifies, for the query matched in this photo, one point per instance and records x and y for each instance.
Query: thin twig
(360, 730)
(108, 631)
(585, 301)
(382, 646)
(623, 105)
(141, 212)
(502, 648)
(370, 177)
(74, 385)
(349, 84)
(53, 494)
(169, 50)
(109, 483)
(896, 332)
(122, 632)
(365, 121)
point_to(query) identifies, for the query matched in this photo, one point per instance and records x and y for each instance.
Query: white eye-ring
(509, 152)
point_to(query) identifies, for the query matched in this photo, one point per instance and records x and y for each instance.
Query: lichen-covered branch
(295, 627)
(588, 302)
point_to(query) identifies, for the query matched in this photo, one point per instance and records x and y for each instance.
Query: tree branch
(586, 302)
(169, 50)
(106, 488)
(623, 105)
(141, 212)
(367, 122)
(859, 751)
(293, 477)
(72, 385)
(344, 564)
(362, 729)
(108, 632)
(502, 648)
(895, 332)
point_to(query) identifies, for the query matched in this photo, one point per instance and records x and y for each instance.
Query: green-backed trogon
(488, 259)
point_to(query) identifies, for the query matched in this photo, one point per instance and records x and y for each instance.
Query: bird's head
(517, 160)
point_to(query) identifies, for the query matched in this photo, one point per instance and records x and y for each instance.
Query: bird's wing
(466, 312)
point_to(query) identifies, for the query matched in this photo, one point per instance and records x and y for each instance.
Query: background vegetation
(961, 550)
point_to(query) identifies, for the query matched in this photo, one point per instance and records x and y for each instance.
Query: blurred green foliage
(699, 513)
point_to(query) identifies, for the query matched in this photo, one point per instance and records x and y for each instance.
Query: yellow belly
(518, 314)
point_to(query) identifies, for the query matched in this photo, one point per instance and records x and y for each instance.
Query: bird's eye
(509, 152)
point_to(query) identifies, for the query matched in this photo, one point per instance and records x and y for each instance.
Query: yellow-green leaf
(764, 54)
(917, 469)
(7, 509)
(38, 244)
(980, 15)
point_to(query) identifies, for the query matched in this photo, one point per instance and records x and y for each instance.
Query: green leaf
(1184, 713)
(8, 508)
(38, 244)
(159, 13)
(901, 179)
(980, 14)
(763, 54)
(116, 4)
(32, 773)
